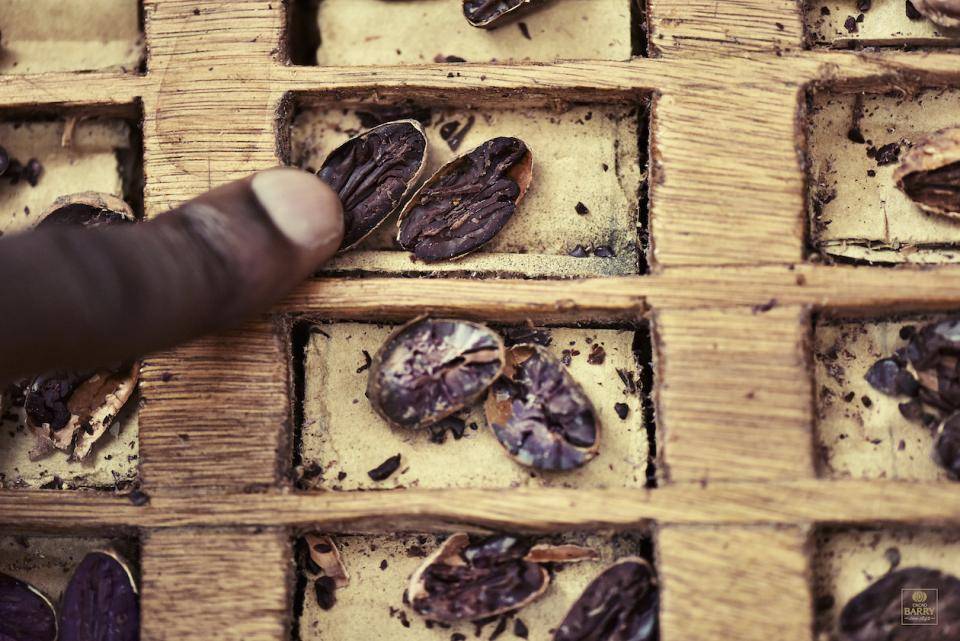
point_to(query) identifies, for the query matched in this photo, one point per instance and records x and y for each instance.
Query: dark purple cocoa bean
(619, 605)
(25, 614)
(373, 173)
(467, 581)
(540, 414)
(431, 368)
(100, 603)
(467, 202)
(876, 613)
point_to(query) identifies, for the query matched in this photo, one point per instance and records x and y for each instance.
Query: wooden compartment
(96, 148)
(603, 145)
(343, 437)
(883, 23)
(40, 36)
(729, 291)
(857, 212)
(373, 605)
(856, 142)
(353, 32)
(848, 560)
(860, 431)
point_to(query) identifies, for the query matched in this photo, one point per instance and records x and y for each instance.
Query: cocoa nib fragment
(890, 376)
(326, 592)
(945, 13)
(540, 414)
(25, 613)
(467, 580)
(619, 605)
(489, 14)
(383, 471)
(930, 172)
(467, 201)
(100, 603)
(373, 173)
(431, 368)
(928, 369)
(453, 134)
(875, 614)
(454, 424)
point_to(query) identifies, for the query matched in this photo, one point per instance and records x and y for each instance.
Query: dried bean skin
(467, 201)
(464, 581)
(87, 209)
(875, 614)
(621, 604)
(373, 173)
(540, 414)
(25, 614)
(429, 369)
(100, 603)
(930, 171)
(489, 14)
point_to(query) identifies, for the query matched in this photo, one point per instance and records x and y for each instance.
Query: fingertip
(303, 208)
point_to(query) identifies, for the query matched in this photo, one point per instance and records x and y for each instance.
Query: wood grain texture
(736, 395)
(681, 28)
(546, 509)
(219, 413)
(734, 583)
(835, 289)
(216, 584)
(727, 212)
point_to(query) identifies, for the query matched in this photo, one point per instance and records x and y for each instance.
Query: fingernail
(302, 206)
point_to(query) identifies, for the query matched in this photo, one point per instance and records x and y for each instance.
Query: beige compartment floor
(347, 438)
(847, 561)
(89, 163)
(381, 32)
(884, 24)
(47, 562)
(114, 461)
(586, 154)
(78, 35)
(869, 218)
(371, 607)
(860, 431)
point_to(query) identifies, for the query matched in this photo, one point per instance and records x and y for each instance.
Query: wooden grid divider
(729, 295)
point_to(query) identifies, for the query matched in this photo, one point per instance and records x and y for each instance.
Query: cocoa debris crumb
(385, 469)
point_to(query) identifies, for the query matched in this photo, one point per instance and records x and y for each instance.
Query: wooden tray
(730, 295)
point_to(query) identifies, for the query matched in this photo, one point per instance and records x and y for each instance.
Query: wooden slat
(683, 27)
(216, 584)
(842, 289)
(736, 397)
(547, 509)
(217, 413)
(739, 583)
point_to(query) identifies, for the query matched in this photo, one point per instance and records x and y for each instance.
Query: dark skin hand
(87, 297)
